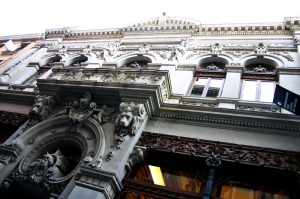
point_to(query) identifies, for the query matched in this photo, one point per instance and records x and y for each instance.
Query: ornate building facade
(164, 108)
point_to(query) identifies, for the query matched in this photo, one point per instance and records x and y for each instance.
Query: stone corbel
(138, 155)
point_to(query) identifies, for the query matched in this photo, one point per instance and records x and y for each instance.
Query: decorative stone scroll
(279, 159)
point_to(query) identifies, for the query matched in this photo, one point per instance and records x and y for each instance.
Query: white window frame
(258, 89)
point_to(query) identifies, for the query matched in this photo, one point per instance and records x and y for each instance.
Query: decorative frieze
(279, 159)
(121, 76)
(15, 119)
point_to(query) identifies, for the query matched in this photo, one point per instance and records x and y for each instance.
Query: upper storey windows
(209, 78)
(258, 82)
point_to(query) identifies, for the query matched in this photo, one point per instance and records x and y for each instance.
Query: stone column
(232, 86)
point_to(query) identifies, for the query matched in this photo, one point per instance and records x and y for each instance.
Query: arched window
(135, 65)
(209, 78)
(258, 82)
(77, 62)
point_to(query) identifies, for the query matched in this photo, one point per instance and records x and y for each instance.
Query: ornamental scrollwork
(79, 112)
(285, 55)
(228, 152)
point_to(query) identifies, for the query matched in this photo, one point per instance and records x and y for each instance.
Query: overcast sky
(34, 16)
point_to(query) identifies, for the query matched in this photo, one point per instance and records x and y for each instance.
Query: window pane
(233, 192)
(201, 82)
(197, 91)
(198, 87)
(214, 88)
(249, 91)
(212, 92)
(266, 91)
(169, 177)
(216, 83)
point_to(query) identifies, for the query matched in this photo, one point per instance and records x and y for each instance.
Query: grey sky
(34, 16)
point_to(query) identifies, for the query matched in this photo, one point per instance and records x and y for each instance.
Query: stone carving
(143, 49)
(175, 53)
(62, 50)
(15, 119)
(113, 47)
(260, 49)
(102, 55)
(162, 54)
(227, 152)
(260, 109)
(87, 50)
(78, 112)
(237, 54)
(42, 107)
(216, 49)
(50, 168)
(285, 55)
(128, 122)
(191, 103)
(297, 40)
(129, 119)
(114, 77)
(138, 155)
(76, 75)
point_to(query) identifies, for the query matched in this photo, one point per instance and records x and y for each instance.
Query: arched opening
(76, 61)
(259, 80)
(212, 63)
(136, 62)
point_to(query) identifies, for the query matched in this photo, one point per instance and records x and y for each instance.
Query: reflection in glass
(172, 178)
(234, 192)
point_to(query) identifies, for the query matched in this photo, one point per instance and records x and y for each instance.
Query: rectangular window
(207, 87)
(258, 90)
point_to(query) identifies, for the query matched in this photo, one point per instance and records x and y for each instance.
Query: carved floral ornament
(228, 152)
(115, 77)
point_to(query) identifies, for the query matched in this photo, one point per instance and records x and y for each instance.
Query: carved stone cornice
(15, 119)
(243, 154)
(289, 71)
(150, 87)
(244, 120)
